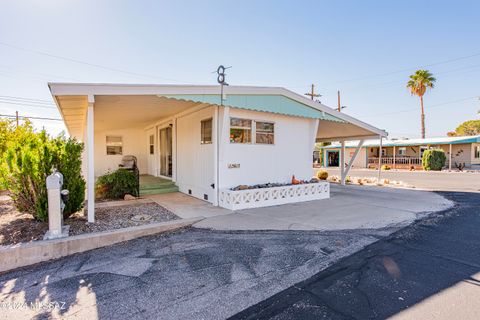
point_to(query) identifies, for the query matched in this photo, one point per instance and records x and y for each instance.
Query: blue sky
(366, 49)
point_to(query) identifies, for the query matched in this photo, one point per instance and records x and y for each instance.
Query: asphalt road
(436, 181)
(194, 274)
(429, 270)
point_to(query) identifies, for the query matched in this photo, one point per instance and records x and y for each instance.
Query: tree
(468, 128)
(418, 84)
(27, 157)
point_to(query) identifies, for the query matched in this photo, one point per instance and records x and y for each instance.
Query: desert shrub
(117, 184)
(433, 159)
(29, 157)
(68, 160)
(385, 167)
(322, 175)
(348, 179)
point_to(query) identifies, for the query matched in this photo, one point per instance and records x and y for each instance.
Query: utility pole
(312, 93)
(339, 107)
(16, 117)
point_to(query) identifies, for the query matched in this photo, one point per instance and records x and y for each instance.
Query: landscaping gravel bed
(117, 217)
(17, 227)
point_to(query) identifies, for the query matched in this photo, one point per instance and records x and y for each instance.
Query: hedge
(433, 159)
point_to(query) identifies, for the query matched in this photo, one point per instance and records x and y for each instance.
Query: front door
(165, 151)
(333, 160)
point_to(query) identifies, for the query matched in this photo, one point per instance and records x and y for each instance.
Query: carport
(129, 115)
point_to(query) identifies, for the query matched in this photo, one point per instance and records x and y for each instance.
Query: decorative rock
(140, 217)
(129, 197)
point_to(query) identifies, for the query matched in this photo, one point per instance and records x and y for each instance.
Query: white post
(342, 163)
(394, 158)
(379, 160)
(450, 157)
(216, 157)
(90, 162)
(56, 229)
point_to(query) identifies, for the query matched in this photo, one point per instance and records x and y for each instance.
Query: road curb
(25, 254)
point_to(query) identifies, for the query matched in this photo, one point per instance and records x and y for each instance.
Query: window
(114, 145)
(206, 131)
(240, 130)
(476, 152)
(402, 151)
(152, 144)
(264, 132)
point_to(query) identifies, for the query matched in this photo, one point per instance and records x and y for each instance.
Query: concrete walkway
(350, 207)
(187, 207)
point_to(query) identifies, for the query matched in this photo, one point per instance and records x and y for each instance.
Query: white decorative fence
(264, 197)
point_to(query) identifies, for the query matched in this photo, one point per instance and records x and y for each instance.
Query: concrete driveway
(350, 207)
(210, 274)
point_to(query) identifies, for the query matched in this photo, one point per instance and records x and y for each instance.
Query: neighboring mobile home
(407, 153)
(192, 136)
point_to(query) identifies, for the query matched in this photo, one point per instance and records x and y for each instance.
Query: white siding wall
(195, 161)
(134, 143)
(290, 155)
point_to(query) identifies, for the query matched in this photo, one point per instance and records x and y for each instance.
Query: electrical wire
(29, 117)
(90, 64)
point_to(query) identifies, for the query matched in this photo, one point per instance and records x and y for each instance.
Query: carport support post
(450, 157)
(90, 162)
(394, 158)
(342, 163)
(379, 160)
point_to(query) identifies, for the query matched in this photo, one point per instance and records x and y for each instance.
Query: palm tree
(418, 84)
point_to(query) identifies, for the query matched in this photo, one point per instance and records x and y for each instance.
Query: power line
(389, 72)
(415, 109)
(26, 104)
(88, 63)
(30, 99)
(29, 117)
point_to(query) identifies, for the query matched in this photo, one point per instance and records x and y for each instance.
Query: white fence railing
(264, 197)
(398, 160)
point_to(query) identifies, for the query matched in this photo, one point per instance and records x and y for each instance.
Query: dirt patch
(17, 227)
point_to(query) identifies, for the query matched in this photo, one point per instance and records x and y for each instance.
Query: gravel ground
(17, 227)
(120, 217)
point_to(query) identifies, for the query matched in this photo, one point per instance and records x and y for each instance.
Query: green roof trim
(412, 142)
(265, 103)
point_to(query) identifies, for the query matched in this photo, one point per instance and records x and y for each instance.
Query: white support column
(90, 161)
(341, 163)
(216, 144)
(394, 158)
(357, 150)
(223, 143)
(380, 160)
(450, 156)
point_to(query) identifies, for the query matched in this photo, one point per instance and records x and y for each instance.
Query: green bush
(29, 157)
(385, 167)
(117, 184)
(433, 159)
(322, 175)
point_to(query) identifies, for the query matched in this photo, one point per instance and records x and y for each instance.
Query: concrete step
(144, 192)
(160, 185)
